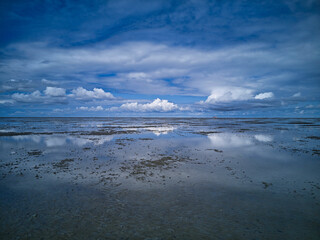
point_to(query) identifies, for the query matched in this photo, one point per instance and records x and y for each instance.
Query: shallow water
(159, 178)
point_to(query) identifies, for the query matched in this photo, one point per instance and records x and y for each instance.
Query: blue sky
(160, 58)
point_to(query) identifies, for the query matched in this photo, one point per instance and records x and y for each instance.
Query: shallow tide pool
(159, 178)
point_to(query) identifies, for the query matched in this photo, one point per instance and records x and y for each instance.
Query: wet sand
(159, 178)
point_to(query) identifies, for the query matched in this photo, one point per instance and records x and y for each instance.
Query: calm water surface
(151, 178)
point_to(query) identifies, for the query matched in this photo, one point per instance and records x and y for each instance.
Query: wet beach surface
(159, 178)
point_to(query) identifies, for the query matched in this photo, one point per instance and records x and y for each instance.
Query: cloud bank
(208, 55)
(55, 92)
(157, 105)
(97, 93)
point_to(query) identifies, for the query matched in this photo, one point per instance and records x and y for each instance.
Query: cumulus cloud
(157, 105)
(228, 94)
(58, 95)
(93, 109)
(55, 92)
(53, 95)
(237, 98)
(97, 93)
(264, 95)
(27, 98)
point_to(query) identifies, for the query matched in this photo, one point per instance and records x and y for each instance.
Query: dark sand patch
(63, 164)
(315, 152)
(216, 150)
(144, 168)
(313, 137)
(266, 185)
(206, 132)
(9, 134)
(243, 130)
(35, 153)
(299, 122)
(111, 132)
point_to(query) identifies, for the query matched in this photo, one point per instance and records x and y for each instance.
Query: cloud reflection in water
(58, 141)
(230, 140)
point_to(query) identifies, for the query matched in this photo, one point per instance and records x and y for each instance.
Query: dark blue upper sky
(160, 58)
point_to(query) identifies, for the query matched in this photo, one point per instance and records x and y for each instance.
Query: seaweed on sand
(147, 167)
(35, 153)
(63, 164)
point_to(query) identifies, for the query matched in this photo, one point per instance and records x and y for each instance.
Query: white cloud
(312, 106)
(97, 93)
(228, 94)
(93, 109)
(18, 85)
(27, 98)
(236, 98)
(136, 75)
(51, 96)
(58, 110)
(143, 67)
(157, 105)
(298, 94)
(6, 101)
(264, 95)
(98, 108)
(48, 82)
(55, 92)
(148, 67)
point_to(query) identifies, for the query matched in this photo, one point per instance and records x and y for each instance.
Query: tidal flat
(159, 178)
